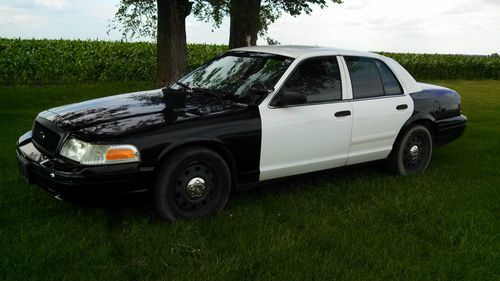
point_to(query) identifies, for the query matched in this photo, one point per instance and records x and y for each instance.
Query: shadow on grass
(299, 183)
(139, 204)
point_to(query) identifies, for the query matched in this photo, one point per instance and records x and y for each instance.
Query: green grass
(356, 223)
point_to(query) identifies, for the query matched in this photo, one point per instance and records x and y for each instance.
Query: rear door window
(371, 78)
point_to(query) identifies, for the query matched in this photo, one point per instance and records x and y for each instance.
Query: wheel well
(429, 124)
(212, 145)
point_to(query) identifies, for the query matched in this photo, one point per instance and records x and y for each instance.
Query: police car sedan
(250, 115)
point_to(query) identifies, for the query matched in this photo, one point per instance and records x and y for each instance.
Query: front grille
(46, 139)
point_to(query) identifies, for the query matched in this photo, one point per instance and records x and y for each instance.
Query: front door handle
(343, 113)
(402, 107)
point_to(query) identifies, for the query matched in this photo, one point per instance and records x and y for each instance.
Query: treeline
(63, 61)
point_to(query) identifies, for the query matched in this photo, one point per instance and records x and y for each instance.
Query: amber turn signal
(114, 154)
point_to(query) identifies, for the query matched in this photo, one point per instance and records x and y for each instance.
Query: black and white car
(250, 115)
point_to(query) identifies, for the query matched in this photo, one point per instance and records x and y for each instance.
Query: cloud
(461, 9)
(397, 25)
(445, 26)
(492, 2)
(54, 4)
(19, 22)
(355, 4)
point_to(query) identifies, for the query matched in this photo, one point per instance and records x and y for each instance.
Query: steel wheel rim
(195, 185)
(415, 152)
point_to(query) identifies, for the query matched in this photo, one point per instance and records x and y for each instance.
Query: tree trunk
(245, 23)
(171, 47)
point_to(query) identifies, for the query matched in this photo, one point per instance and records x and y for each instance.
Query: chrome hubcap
(414, 152)
(195, 187)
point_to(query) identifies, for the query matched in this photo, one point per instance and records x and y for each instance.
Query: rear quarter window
(391, 83)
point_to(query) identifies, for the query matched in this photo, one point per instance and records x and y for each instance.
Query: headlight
(97, 154)
(74, 149)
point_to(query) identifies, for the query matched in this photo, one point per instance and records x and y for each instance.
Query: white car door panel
(308, 137)
(376, 124)
(303, 139)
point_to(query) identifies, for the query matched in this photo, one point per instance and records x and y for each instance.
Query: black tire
(412, 152)
(194, 182)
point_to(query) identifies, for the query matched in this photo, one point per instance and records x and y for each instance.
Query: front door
(311, 136)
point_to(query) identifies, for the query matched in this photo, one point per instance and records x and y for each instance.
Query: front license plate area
(24, 169)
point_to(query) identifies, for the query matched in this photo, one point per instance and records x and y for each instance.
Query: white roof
(295, 51)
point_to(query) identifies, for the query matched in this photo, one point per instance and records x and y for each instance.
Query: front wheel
(193, 183)
(412, 152)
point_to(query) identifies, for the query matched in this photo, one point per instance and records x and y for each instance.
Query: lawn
(355, 223)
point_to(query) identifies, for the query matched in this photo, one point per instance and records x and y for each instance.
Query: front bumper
(68, 180)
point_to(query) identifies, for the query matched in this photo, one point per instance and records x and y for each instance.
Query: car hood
(119, 114)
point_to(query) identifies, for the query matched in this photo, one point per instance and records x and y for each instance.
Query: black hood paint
(122, 114)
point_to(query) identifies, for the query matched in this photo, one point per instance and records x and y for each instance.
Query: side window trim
(342, 78)
(346, 79)
(380, 77)
(351, 92)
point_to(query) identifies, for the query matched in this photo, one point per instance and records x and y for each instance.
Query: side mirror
(258, 89)
(292, 98)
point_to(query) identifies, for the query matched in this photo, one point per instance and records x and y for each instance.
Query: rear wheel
(412, 152)
(193, 183)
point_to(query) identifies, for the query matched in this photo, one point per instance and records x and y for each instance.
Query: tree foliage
(215, 10)
(137, 18)
(166, 20)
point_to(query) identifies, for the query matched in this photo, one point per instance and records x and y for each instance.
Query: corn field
(436, 66)
(63, 61)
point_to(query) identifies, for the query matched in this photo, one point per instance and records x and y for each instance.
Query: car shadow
(299, 183)
(139, 204)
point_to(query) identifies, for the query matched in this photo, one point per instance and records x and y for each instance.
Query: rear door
(312, 136)
(380, 108)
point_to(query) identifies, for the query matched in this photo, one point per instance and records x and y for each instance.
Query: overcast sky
(430, 26)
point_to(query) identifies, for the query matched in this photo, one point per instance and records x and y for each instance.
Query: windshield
(234, 73)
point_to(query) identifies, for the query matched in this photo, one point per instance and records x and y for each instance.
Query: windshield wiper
(187, 88)
(209, 92)
(184, 86)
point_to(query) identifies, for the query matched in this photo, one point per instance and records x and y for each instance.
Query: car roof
(295, 51)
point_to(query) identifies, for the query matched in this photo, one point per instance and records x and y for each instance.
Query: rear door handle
(343, 113)
(402, 106)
